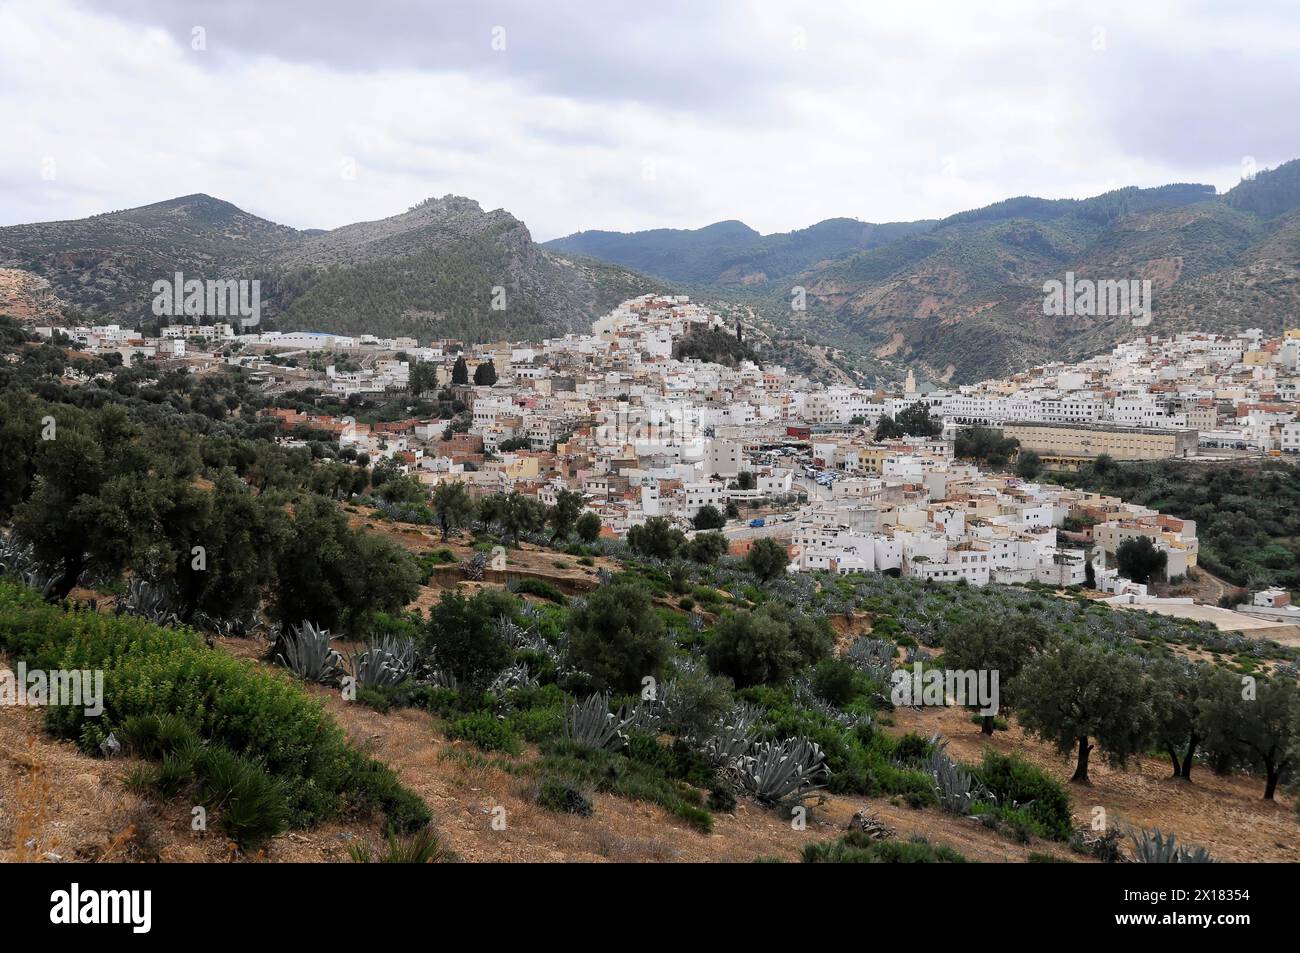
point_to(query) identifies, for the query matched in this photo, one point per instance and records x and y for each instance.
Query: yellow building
(1066, 445)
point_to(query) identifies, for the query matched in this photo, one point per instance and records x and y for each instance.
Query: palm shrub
(563, 797)
(251, 803)
(422, 847)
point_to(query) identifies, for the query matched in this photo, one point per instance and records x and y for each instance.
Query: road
(741, 529)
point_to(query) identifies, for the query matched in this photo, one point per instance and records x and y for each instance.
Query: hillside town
(641, 434)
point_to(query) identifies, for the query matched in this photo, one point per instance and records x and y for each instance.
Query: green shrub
(620, 775)
(835, 681)
(556, 794)
(857, 847)
(163, 686)
(1027, 794)
(617, 638)
(537, 724)
(767, 646)
(721, 800)
(486, 731)
(422, 847)
(912, 748)
(540, 588)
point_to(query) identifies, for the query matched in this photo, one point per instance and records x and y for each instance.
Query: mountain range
(959, 298)
(430, 272)
(962, 297)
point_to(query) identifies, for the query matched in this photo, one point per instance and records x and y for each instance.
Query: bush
(462, 636)
(766, 646)
(486, 731)
(560, 796)
(422, 847)
(251, 802)
(857, 847)
(540, 588)
(617, 638)
(537, 724)
(588, 768)
(835, 681)
(721, 800)
(1027, 795)
(225, 702)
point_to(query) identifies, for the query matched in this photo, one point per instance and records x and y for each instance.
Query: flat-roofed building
(1066, 445)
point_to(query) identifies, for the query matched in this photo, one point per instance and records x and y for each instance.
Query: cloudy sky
(631, 115)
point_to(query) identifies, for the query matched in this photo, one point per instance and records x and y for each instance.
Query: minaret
(910, 386)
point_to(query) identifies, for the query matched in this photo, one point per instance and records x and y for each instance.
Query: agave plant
(150, 601)
(238, 627)
(1152, 846)
(734, 735)
(474, 567)
(957, 788)
(306, 651)
(875, 657)
(781, 772)
(384, 663)
(513, 676)
(592, 725)
(809, 699)
(510, 632)
(18, 562)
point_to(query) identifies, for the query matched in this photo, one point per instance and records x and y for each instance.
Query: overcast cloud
(632, 115)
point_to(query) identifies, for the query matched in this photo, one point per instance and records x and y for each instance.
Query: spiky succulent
(513, 676)
(1152, 846)
(591, 724)
(956, 787)
(150, 600)
(384, 663)
(474, 567)
(18, 562)
(733, 736)
(781, 772)
(306, 651)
